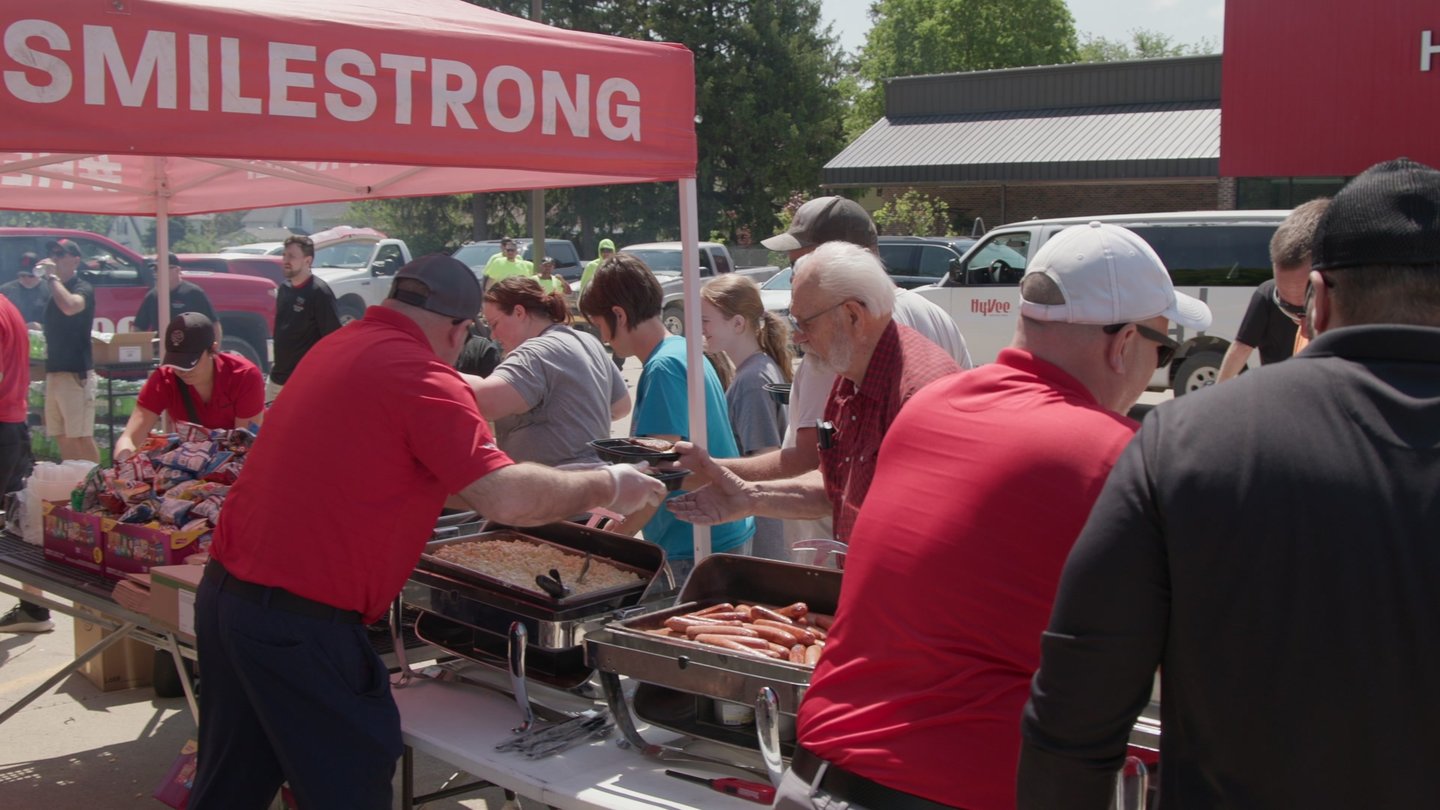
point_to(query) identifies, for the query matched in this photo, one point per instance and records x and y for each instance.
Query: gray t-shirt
(569, 382)
(759, 422)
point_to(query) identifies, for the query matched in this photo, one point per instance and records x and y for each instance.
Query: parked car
(1216, 256)
(256, 249)
(664, 260)
(245, 304)
(913, 261)
(245, 264)
(567, 260)
(775, 292)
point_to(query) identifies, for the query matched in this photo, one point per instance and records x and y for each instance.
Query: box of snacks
(74, 538)
(158, 506)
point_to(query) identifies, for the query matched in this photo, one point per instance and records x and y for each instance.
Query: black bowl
(780, 392)
(672, 479)
(624, 451)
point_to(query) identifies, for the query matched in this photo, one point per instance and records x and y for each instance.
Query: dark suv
(914, 261)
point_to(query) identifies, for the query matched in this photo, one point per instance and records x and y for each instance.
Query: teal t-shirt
(662, 408)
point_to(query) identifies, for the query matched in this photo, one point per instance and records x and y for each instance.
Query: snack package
(142, 512)
(239, 440)
(191, 432)
(190, 490)
(209, 509)
(224, 474)
(190, 456)
(174, 511)
(136, 469)
(168, 477)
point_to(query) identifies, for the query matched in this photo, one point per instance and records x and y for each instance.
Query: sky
(1187, 21)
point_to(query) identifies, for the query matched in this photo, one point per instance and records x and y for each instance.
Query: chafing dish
(681, 681)
(526, 631)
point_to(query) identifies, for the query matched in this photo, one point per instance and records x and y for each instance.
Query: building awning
(1129, 142)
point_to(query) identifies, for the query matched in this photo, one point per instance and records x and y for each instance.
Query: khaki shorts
(272, 390)
(70, 404)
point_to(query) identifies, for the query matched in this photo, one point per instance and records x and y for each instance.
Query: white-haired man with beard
(840, 312)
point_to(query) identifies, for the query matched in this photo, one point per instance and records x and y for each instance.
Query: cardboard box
(172, 598)
(124, 665)
(74, 538)
(116, 348)
(132, 548)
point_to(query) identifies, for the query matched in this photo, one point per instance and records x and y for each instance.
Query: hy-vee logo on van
(989, 306)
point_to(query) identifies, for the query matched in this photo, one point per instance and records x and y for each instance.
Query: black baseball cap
(62, 246)
(453, 290)
(1388, 215)
(187, 337)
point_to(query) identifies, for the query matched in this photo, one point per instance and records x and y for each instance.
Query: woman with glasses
(734, 321)
(556, 390)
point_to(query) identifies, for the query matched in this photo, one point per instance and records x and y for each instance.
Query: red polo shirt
(341, 491)
(14, 363)
(984, 482)
(239, 393)
(904, 362)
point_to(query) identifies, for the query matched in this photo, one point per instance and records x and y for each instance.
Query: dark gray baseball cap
(826, 219)
(453, 289)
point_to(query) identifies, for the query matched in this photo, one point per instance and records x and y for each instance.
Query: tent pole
(162, 248)
(694, 358)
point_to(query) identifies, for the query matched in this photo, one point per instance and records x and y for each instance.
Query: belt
(856, 789)
(279, 598)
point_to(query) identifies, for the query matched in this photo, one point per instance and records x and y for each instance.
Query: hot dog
(757, 612)
(799, 634)
(720, 630)
(822, 620)
(728, 643)
(812, 653)
(797, 654)
(723, 606)
(682, 623)
(724, 615)
(795, 611)
(775, 634)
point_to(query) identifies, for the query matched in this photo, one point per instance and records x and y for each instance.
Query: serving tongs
(552, 585)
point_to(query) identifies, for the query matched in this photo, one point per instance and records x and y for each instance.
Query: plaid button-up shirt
(904, 362)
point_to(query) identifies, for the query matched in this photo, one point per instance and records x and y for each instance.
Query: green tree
(1143, 44)
(914, 213)
(915, 37)
(768, 110)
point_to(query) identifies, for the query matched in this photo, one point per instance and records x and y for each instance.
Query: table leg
(65, 671)
(174, 646)
(407, 779)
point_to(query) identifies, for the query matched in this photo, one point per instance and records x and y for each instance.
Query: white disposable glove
(634, 490)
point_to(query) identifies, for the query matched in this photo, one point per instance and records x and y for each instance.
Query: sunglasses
(1164, 353)
(1292, 311)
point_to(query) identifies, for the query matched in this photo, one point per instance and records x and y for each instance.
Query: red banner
(1328, 87)
(312, 92)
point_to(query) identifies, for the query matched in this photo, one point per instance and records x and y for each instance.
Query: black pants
(16, 462)
(290, 698)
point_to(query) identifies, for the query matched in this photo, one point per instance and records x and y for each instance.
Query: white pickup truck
(663, 259)
(358, 264)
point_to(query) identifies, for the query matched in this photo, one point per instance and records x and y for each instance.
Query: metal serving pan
(575, 544)
(626, 648)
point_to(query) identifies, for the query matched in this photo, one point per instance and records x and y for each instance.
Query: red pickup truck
(121, 277)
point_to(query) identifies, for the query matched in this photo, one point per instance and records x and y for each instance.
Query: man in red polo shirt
(195, 383)
(846, 328)
(340, 494)
(984, 482)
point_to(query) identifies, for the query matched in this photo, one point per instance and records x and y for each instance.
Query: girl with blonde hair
(733, 321)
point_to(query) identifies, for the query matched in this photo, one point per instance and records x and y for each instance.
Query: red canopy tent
(161, 107)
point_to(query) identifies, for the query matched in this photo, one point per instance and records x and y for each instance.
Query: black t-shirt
(1267, 328)
(67, 337)
(302, 317)
(186, 297)
(29, 300)
(479, 356)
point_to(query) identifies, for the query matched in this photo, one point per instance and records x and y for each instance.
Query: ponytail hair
(739, 295)
(523, 291)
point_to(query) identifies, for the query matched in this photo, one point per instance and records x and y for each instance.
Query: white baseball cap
(1107, 275)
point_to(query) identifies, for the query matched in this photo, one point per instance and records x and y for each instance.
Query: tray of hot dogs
(740, 623)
